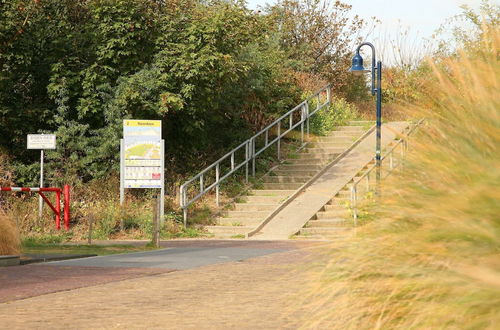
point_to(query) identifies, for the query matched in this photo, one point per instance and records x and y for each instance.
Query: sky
(420, 17)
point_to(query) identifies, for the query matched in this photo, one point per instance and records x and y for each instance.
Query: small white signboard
(41, 141)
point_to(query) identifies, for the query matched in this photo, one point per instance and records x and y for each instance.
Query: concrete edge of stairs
(308, 183)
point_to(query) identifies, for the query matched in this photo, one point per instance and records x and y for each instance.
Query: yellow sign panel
(141, 123)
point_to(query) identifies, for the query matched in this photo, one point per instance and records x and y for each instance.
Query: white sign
(142, 154)
(41, 141)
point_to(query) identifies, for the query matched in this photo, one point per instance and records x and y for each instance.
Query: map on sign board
(142, 153)
(41, 141)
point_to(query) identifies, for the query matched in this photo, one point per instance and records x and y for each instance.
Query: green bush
(338, 113)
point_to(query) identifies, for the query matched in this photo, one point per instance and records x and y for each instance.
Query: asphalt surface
(170, 258)
(26, 281)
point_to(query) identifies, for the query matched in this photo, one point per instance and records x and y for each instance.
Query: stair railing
(402, 144)
(298, 116)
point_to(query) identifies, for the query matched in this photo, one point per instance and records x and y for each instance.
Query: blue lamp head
(357, 65)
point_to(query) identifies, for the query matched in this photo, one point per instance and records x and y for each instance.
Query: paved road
(254, 293)
(171, 258)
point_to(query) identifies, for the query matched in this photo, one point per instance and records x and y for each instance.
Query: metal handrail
(390, 153)
(251, 153)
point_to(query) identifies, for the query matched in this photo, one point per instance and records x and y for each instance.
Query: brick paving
(34, 280)
(250, 294)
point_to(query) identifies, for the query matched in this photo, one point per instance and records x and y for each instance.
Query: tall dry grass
(9, 238)
(431, 259)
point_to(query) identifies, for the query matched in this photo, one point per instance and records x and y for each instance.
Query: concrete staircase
(334, 220)
(283, 180)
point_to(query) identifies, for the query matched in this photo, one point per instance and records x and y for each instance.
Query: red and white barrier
(57, 208)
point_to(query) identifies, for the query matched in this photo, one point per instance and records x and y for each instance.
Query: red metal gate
(55, 208)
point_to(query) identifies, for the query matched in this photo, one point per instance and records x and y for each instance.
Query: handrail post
(246, 161)
(307, 116)
(217, 173)
(279, 140)
(354, 204)
(252, 141)
(201, 184)
(232, 161)
(302, 119)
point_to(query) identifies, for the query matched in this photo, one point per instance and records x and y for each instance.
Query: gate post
(66, 206)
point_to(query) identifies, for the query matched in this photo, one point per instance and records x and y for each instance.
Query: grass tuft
(430, 257)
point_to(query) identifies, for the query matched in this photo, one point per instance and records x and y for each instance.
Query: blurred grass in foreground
(431, 258)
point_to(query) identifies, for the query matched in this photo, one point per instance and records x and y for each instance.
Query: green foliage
(339, 113)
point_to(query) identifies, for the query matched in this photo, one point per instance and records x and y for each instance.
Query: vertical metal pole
(379, 123)
(122, 183)
(58, 209)
(252, 142)
(232, 161)
(354, 204)
(40, 201)
(307, 115)
(279, 140)
(267, 137)
(162, 190)
(217, 173)
(156, 221)
(302, 118)
(247, 151)
(67, 204)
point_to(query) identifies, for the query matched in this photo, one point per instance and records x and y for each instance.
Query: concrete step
(300, 167)
(344, 133)
(231, 230)
(284, 186)
(343, 202)
(325, 231)
(329, 145)
(253, 222)
(331, 215)
(254, 207)
(321, 156)
(334, 139)
(325, 150)
(271, 192)
(339, 210)
(263, 199)
(362, 122)
(350, 128)
(333, 222)
(246, 214)
(307, 173)
(285, 179)
(304, 161)
(344, 194)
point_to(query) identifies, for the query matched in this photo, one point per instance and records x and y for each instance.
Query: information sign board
(41, 141)
(142, 154)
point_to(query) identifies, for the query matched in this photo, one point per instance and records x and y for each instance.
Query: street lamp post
(358, 69)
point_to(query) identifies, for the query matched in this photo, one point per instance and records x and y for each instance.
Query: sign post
(41, 142)
(142, 161)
